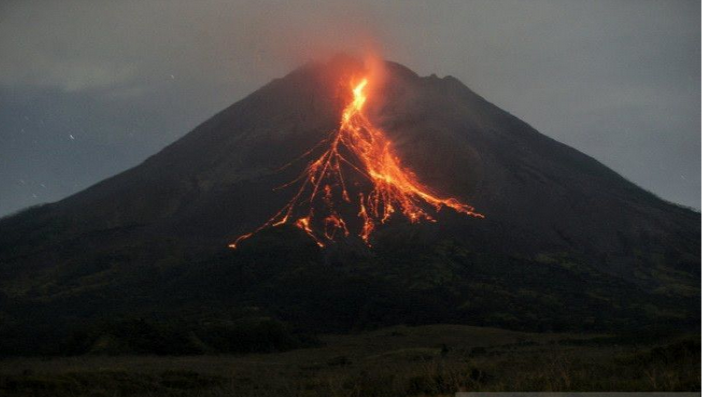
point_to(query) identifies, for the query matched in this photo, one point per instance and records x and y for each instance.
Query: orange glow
(358, 147)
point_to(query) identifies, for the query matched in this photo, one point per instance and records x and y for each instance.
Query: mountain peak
(355, 179)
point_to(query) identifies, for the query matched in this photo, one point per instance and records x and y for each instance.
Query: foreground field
(397, 361)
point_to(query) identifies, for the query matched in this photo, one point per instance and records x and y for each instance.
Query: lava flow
(357, 147)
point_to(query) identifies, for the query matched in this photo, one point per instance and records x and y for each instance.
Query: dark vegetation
(250, 300)
(434, 360)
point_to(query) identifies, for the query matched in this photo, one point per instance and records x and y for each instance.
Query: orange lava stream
(357, 146)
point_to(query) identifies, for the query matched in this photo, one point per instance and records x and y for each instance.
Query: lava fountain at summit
(357, 147)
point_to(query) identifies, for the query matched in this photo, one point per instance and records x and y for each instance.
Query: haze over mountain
(562, 233)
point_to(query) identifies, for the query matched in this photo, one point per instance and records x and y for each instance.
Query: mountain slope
(548, 208)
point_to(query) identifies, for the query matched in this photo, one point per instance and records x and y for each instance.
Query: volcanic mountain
(497, 225)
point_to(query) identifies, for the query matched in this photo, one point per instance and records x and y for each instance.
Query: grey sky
(90, 88)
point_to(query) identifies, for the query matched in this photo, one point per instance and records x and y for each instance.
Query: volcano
(420, 200)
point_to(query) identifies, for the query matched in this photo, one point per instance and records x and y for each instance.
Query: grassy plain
(397, 361)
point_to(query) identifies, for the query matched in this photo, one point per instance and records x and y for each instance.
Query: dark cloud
(88, 88)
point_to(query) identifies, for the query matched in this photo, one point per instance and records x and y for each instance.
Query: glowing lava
(357, 147)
